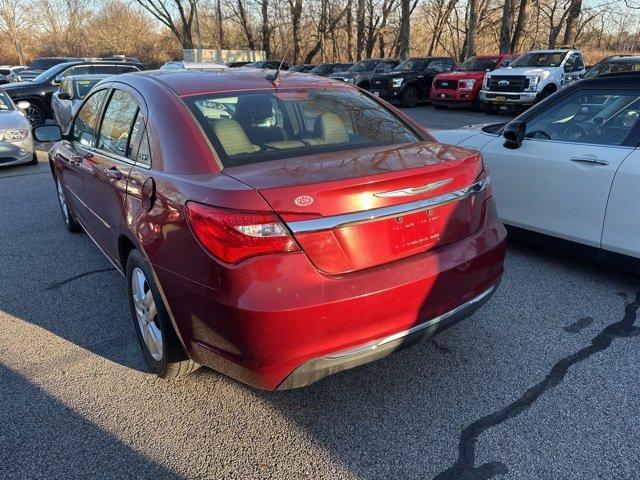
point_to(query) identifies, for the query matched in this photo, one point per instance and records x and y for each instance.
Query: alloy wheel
(35, 116)
(146, 314)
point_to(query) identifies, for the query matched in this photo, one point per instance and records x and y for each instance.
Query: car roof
(622, 59)
(89, 76)
(553, 50)
(194, 82)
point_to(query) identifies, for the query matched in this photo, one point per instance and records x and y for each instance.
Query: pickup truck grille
(446, 84)
(516, 83)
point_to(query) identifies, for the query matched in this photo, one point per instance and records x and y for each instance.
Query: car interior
(595, 118)
(252, 127)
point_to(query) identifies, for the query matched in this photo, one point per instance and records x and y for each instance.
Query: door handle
(114, 173)
(591, 160)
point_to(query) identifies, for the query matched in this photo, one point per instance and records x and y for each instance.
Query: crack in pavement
(578, 325)
(464, 468)
(57, 285)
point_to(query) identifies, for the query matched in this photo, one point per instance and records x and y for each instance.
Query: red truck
(461, 87)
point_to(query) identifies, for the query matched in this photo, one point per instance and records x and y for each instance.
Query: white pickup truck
(532, 77)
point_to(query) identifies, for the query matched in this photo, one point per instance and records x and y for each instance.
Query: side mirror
(57, 80)
(23, 105)
(514, 133)
(62, 95)
(47, 133)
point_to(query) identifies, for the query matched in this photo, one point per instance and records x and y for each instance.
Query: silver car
(66, 101)
(16, 141)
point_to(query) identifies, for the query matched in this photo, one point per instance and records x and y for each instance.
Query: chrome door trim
(88, 208)
(348, 219)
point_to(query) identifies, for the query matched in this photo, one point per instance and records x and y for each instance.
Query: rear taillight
(233, 235)
(484, 176)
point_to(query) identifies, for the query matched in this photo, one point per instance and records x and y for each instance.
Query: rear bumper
(277, 322)
(520, 98)
(319, 368)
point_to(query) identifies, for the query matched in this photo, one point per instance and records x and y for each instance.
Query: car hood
(344, 74)
(398, 74)
(459, 135)
(461, 75)
(17, 86)
(12, 119)
(522, 71)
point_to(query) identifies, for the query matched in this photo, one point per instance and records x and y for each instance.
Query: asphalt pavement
(541, 383)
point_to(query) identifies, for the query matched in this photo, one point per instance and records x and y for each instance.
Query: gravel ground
(541, 383)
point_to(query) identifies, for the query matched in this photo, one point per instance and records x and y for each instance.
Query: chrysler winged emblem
(410, 191)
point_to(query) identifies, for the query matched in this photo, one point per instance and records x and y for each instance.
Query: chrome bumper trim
(347, 219)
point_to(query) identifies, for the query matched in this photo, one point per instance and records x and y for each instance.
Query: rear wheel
(158, 340)
(409, 97)
(69, 222)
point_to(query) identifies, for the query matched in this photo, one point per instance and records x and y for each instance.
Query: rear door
(558, 182)
(107, 185)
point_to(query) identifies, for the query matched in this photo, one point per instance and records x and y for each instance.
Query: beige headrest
(232, 137)
(331, 128)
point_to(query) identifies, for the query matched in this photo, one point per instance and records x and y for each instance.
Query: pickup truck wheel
(409, 97)
(546, 91)
(159, 342)
(477, 105)
(490, 109)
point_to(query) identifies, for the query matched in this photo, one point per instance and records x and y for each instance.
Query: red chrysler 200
(278, 230)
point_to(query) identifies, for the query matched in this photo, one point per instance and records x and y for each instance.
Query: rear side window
(84, 125)
(138, 149)
(117, 123)
(252, 127)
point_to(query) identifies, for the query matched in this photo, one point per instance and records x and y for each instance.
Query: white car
(570, 166)
(532, 77)
(10, 72)
(66, 101)
(16, 141)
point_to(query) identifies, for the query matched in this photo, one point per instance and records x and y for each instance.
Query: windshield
(5, 102)
(605, 68)
(83, 87)
(539, 59)
(254, 127)
(51, 73)
(411, 65)
(5, 71)
(475, 64)
(364, 66)
(320, 69)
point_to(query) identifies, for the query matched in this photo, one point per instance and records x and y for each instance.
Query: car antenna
(275, 77)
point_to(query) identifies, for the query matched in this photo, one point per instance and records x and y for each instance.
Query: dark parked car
(241, 211)
(268, 65)
(38, 92)
(411, 81)
(614, 65)
(302, 67)
(362, 72)
(326, 69)
(39, 65)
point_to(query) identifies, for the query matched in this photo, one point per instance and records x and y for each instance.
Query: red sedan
(276, 230)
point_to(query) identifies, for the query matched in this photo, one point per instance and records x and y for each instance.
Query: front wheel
(409, 97)
(158, 340)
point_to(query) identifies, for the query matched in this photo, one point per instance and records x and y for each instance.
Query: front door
(558, 181)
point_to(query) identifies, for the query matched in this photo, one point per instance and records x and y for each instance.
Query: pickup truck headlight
(396, 82)
(14, 135)
(466, 84)
(485, 82)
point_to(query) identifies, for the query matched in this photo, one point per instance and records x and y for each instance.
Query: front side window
(252, 127)
(364, 66)
(599, 118)
(84, 86)
(386, 66)
(5, 102)
(84, 125)
(117, 123)
(539, 59)
(436, 66)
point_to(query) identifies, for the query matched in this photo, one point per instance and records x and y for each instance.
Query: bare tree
(360, 26)
(295, 7)
(472, 29)
(11, 25)
(165, 10)
(573, 16)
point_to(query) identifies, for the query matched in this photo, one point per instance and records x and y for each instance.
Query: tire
(409, 97)
(546, 91)
(70, 223)
(477, 105)
(34, 160)
(36, 115)
(160, 345)
(439, 107)
(489, 109)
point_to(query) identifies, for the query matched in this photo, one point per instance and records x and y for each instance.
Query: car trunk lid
(355, 210)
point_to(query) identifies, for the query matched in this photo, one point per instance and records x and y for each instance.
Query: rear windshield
(605, 68)
(253, 127)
